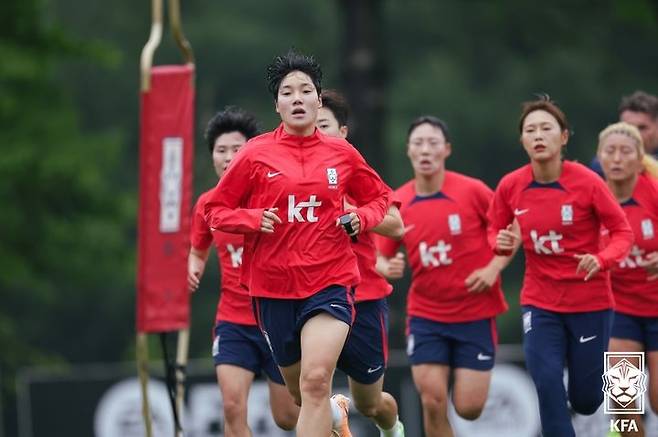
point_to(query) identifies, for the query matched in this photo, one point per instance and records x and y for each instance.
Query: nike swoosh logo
(586, 339)
(372, 370)
(483, 357)
(271, 174)
(333, 305)
(518, 211)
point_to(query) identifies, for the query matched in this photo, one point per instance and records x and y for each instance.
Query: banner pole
(143, 372)
(181, 363)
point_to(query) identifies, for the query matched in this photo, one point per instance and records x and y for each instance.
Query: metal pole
(146, 60)
(181, 363)
(143, 372)
(177, 31)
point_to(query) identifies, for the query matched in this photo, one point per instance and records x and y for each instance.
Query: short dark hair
(543, 103)
(231, 119)
(432, 120)
(283, 65)
(337, 104)
(640, 101)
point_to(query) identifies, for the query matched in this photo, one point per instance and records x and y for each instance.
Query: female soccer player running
(566, 299)
(635, 279)
(455, 292)
(365, 353)
(285, 192)
(239, 350)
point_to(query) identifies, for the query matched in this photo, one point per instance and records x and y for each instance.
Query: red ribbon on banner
(165, 199)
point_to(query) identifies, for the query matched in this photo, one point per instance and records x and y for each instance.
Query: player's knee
(434, 403)
(545, 379)
(234, 409)
(368, 408)
(469, 410)
(315, 383)
(285, 420)
(586, 404)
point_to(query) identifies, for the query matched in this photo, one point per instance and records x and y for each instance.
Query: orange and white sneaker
(341, 426)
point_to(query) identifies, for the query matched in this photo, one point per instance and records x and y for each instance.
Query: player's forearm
(236, 221)
(196, 264)
(373, 212)
(621, 240)
(499, 262)
(198, 254)
(391, 226)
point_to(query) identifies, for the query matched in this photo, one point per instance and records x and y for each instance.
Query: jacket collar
(283, 137)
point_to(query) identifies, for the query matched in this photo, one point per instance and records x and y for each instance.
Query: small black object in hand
(346, 221)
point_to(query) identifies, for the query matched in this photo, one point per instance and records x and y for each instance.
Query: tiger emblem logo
(624, 383)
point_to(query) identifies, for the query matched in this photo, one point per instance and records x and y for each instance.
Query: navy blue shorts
(641, 329)
(281, 320)
(244, 346)
(470, 345)
(365, 353)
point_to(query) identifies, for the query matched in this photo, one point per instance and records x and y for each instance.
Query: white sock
(393, 432)
(336, 414)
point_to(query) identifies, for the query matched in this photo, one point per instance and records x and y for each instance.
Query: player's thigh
(652, 365)
(366, 396)
(234, 383)
(322, 339)
(431, 380)
(470, 390)
(627, 334)
(284, 409)
(291, 376)
(624, 345)
(363, 358)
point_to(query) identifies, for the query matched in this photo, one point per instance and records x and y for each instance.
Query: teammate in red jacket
(239, 349)
(566, 298)
(365, 353)
(634, 279)
(285, 192)
(455, 292)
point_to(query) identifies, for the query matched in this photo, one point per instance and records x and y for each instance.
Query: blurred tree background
(69, 128)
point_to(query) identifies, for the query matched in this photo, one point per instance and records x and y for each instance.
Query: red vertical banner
(166, 153)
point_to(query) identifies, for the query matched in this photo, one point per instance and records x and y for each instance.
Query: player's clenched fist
(507, 239)
(391, 268)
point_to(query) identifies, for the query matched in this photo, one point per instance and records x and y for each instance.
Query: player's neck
(547, 171)
(623, 190)
(429, 184)
(299, 131)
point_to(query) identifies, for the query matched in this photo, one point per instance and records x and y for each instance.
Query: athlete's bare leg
(372, 402)
(322, 339)
(234, 384)
(470, 391)
(432, 383)
(284, 410)
(626, 345)
(652, 365)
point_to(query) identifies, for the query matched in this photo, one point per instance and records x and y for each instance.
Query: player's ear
(343, 130)
(448, 149)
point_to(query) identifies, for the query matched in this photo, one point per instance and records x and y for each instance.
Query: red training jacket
(306, 178)
(559, 220)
